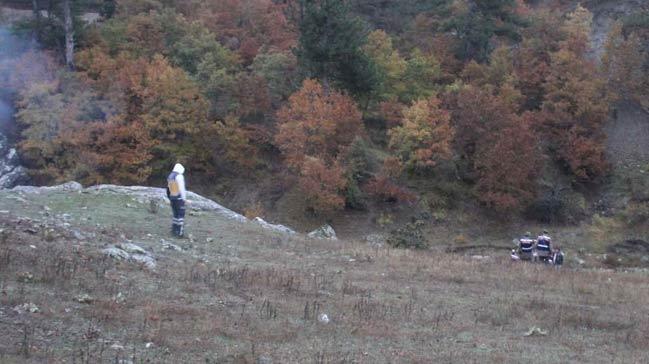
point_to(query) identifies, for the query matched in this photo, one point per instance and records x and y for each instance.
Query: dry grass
(252, 294)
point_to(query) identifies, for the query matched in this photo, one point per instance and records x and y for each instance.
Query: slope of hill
(235, 292)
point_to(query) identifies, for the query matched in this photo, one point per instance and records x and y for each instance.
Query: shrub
(388, 191)
(557, 207)
(409, 236)
(636, 213)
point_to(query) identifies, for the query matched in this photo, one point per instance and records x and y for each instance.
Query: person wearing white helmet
(177, 195)
(544, 246)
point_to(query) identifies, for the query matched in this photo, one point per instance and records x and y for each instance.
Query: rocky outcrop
(11, 173)
(147, 195)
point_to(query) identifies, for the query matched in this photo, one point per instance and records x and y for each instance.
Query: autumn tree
(315, 128)
(540, 39)
(576, 103)
(424, 136)
(497, 149)
(507, 167)
(248, 27)
(625, 62)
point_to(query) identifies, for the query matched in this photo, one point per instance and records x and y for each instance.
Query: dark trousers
(178, 221)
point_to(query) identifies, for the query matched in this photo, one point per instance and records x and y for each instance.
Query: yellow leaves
(424, 136)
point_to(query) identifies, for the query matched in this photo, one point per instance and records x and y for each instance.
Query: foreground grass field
(239, 293)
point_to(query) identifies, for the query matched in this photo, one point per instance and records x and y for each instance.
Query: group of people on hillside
(540, 249)
(529, 249)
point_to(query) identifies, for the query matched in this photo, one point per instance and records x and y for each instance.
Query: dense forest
(349, 103)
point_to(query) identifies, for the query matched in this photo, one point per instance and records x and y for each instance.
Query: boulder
(276, 227)
(131, 252)
(323, 232)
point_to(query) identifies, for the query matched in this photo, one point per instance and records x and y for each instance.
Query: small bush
(461, 240)
(385, 219)
(411, 236)
(388, 191)
(557, 208)
(254, 210)
(636, 213)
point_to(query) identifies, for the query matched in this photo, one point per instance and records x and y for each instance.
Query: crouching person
(526, 247)
(177, 196)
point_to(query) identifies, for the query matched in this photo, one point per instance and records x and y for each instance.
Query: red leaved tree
(315, 129)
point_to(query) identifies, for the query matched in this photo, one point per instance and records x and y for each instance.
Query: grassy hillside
(238, 293)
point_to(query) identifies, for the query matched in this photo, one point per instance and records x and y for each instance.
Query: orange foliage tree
(576, 103)
(315, 129)
(508, 166)
(249, 25)
(498, 147)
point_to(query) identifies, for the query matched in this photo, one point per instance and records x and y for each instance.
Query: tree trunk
(37, 22)
(69, 35)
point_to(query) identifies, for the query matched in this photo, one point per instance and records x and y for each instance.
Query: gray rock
(323, 232)
(376, 240)
(276, 227)
(132, 248)
(146, 260)
(264, 360)
(132, 253)
(116, 253)
(66, 187)
(26, 307)
(170, 246)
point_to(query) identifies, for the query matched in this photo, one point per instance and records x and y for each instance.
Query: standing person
(544, 246)
(177, 196)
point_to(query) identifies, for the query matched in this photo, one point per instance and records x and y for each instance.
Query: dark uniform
(177, 194)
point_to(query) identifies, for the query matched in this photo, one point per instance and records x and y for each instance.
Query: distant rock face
(11, 173)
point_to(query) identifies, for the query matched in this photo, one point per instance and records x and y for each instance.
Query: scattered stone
(264, 360)
(119, 298)
(148, 345)
(376, 240)
(117, 347)
(323, 232)
(26, 307)
(533, 331)
(580, 261)
(323, 318)
(84, 298)
(209, 240)
(170, 246)
(25, 277)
